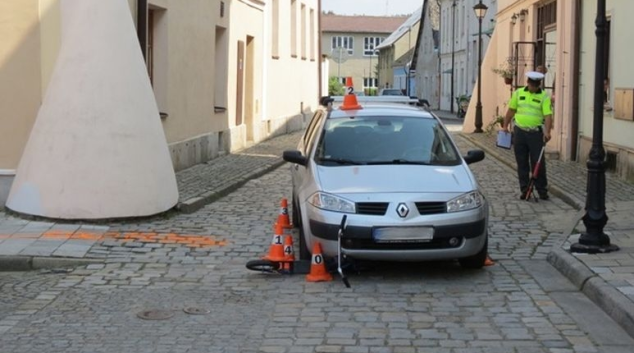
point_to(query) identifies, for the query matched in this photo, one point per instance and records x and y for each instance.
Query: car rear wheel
(476, 261)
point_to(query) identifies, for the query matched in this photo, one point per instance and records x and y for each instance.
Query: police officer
(532, 110)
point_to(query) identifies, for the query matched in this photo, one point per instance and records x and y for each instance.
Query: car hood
(394, 178)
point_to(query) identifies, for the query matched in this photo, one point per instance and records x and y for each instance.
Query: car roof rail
(380, 99)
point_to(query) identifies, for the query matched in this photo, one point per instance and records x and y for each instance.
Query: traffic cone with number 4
(276, 250)
(318, 271)
(289, 255)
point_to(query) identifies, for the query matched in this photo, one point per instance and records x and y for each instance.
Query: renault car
(397, 175)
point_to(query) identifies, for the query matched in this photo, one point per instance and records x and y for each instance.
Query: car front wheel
(476, 261)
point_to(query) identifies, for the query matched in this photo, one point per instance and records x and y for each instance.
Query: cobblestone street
(519, 305)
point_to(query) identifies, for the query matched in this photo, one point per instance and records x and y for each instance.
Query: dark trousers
(528, 145)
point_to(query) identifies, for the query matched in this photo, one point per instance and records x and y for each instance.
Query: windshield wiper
(342, 161)
(400, 161)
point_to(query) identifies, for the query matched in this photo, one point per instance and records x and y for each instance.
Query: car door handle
(296, 167)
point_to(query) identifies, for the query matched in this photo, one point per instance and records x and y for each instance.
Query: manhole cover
(196, 311)
(155, 314)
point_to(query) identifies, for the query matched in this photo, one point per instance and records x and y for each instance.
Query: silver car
(395, 172)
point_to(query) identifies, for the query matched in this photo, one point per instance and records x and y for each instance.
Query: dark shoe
(544, 196)
(523, 196)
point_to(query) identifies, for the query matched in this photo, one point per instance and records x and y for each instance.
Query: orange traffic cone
(289, 255)
(318, 271)
(276, 250)
(282, 218)
(489, 261)
(350, 99)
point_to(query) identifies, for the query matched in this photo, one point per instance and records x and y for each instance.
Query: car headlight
(465, 202)
(331, 203)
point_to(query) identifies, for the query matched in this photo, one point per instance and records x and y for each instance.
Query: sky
(371, 7)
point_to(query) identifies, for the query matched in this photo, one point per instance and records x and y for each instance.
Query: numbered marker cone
(489, 261)
(283, 216)
(276, 250)
(289, 255)
(350, 99)
(318, 271)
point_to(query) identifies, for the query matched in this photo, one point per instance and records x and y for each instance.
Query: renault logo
(402, 210)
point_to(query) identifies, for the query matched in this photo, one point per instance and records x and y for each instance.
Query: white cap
(534, 75)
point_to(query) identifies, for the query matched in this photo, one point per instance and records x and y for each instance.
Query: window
(370, 82)
(221, 69)
(294, 28)
(369, 43)
(384, 140)
(157, 47)
(275, 36)
(312, 35)
(343, 42)
(303, 32)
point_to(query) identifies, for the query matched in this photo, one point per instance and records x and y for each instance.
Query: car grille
(369, 244)
(372, 208)
(425, 208)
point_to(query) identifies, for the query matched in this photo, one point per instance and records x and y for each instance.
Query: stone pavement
(189, 238)
(162, 264)
(607, 279)
(203, 183)
(31, 244)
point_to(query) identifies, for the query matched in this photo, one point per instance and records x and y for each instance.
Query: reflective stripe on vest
(529, 113)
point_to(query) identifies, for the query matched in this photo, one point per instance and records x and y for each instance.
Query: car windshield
(385, 140)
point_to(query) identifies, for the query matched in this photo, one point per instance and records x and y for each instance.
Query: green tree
(335, 88)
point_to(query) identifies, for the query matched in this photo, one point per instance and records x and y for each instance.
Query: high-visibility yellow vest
(530, 108)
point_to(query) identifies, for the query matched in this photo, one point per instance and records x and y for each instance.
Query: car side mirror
(474, 156)
(295, 157)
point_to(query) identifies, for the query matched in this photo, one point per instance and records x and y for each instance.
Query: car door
(301, 174)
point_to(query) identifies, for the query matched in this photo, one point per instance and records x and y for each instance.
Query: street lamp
(375, 52)
(480, 11)
(594, 240)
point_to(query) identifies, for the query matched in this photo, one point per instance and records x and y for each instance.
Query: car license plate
(403, 234)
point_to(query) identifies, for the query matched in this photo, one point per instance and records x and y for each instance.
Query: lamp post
(371, 83)
(480, 11)
(594, 240)
(453, 44)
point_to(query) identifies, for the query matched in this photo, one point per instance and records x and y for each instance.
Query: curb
(609, 299)
(196, 203)
(29, 263)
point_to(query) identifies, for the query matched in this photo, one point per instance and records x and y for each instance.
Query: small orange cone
(318, 271)
(289, 255)
(350, 99)
(489, 261)
(282, 218)
(276, 250)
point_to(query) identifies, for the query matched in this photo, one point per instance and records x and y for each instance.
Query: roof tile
(360, 24)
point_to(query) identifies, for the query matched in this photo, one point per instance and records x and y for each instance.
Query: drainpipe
(141, 25)
(439, 51)
(574, 128)
(320, 58)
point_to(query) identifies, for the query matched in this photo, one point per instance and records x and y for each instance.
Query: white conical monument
(97, 149)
